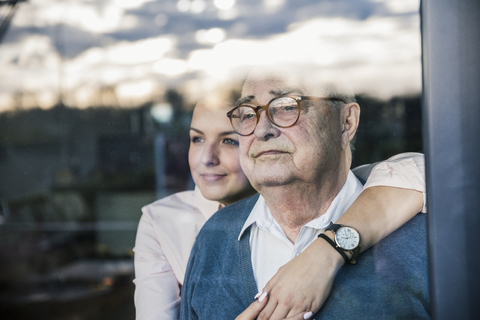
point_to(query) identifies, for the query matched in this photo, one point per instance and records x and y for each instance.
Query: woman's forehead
(212, 108)
(212, 117)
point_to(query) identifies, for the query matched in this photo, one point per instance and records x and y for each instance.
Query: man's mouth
(268, 153)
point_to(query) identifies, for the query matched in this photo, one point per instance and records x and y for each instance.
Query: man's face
(306, 152)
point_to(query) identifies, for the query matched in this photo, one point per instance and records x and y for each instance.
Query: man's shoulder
(391, 278)
(406, 245)
(217, 280)
(232, 216)
(402, 253)
(223, 228)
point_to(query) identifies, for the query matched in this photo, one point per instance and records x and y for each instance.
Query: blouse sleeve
(405, 170)
(157, 291)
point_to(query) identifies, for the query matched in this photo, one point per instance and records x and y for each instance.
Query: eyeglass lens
(283, 112)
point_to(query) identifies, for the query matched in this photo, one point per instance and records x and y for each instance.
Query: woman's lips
(212, 177)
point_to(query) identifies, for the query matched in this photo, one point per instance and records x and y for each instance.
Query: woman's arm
(393, 194)
(157, 292)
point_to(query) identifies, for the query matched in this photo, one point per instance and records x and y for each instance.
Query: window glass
(96, 99)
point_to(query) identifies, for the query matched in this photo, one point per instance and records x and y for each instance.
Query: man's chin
(272, 177)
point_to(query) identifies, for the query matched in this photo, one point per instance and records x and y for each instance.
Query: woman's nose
(210, 155)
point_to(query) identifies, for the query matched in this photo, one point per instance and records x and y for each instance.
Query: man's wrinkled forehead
(282, 80)
(251, 93)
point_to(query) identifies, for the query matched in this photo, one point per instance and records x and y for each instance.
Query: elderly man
(295, 150)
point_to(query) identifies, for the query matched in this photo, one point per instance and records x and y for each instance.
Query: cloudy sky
(127, 52)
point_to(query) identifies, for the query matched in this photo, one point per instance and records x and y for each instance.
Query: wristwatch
(347, 239)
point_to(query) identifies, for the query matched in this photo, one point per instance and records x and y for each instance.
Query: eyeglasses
(283, 112)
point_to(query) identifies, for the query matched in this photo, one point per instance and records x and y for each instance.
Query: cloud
(376, 55)
(95, 18)
(85, 46)
(23, 66)
(130, 4)
(401, 6)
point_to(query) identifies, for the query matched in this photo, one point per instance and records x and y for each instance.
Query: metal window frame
(6, 21)
(451, 130)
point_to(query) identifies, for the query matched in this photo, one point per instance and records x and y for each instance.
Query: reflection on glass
(95, 105)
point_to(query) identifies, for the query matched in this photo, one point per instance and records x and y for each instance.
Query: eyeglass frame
(297, 99)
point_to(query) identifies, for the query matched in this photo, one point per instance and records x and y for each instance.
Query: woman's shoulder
(180, 203)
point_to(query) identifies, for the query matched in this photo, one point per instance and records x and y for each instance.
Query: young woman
(168, 227)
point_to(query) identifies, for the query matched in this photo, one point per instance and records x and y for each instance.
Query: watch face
(347, 238)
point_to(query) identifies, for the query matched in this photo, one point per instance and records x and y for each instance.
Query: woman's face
(213, 156)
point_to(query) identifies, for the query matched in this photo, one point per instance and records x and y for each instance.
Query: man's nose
(210, 155)
(265, 128)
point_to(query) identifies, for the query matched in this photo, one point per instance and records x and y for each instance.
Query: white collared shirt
(270, 247)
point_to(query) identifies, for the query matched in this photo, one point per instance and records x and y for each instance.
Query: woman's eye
(196, 140)
(230, 142)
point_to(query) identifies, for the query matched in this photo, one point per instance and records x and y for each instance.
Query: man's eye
(283, 108)
(230, 142)
(248, 116)
(290, 108)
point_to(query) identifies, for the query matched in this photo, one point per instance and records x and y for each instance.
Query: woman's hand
(254, 309)
(303, 284)
(252, 312)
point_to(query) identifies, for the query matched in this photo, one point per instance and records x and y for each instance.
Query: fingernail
(257, 295)
(262, 297)
(307, 315)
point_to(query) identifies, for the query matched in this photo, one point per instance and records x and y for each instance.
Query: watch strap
(355, 252)
(333, 227)
(334, 245)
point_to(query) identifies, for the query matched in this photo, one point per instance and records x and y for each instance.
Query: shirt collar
(262, 216)
(205, 206)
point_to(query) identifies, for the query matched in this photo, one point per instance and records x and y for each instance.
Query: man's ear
(350, 121)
